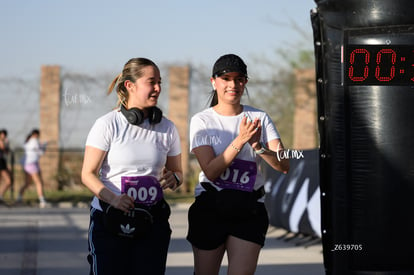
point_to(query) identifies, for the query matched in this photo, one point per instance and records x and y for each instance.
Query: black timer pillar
(364, 53)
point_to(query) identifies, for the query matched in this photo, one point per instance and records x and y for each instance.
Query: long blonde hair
(133, 70)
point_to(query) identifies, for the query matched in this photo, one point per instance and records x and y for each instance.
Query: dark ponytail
(214, 98)
(33, 132)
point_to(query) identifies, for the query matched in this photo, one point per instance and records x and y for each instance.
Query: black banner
(293, 200)
(366, 168)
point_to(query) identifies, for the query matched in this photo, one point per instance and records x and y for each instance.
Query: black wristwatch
(261, 150)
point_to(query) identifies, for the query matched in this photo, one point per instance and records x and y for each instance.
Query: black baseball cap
(229, 63)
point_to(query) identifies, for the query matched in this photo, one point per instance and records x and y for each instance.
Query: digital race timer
(378, 64)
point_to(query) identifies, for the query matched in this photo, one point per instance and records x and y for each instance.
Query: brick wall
(50, 84)
(305, 135)
(178, 111)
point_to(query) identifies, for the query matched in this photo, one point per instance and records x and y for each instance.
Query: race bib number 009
(240, 175)
(144, 189)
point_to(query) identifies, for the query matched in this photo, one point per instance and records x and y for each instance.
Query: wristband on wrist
(235, 148)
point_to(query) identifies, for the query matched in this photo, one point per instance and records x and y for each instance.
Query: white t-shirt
(210, 128)
(132, 150)
(33, 150)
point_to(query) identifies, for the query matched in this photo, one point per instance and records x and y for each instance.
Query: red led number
(351, 72)
(391, 73)
(412, 79)
(379, 64)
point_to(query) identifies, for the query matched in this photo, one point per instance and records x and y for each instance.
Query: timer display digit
(379, 65)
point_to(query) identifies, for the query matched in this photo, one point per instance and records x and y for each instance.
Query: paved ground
(54, 241)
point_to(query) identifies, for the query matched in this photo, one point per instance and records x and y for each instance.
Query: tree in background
(274, 91)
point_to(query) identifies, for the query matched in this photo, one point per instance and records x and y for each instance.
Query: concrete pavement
(53, 241)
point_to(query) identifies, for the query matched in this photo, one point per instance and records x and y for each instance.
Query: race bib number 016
(144, 189)
(240, 175)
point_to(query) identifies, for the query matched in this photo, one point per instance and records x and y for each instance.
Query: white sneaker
(44, 204)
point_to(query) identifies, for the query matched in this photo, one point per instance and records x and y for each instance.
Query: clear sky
(89, 35)
(94, 37)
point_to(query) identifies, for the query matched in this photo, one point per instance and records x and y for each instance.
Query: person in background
(33, 150)
(229, 141)
(132, 155)
(4, 170)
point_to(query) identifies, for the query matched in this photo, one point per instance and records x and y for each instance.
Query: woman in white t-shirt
(229, 140)
(33, 150)
(132, 154)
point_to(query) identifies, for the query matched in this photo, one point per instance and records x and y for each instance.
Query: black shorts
(3, 164)
(208, 230)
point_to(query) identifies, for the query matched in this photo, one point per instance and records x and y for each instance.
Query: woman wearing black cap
(229, 140)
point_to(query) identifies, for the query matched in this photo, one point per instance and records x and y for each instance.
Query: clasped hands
(250, 131)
